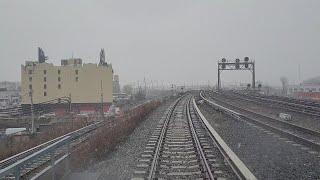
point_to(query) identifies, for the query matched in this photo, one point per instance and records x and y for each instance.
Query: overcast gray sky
(175, 41)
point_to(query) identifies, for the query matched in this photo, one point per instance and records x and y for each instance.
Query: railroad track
(34, 160)
(305, 136)
(292, 105)
(185, 146)
(306, 102)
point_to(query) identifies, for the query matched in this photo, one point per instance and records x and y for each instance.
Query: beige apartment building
(86, 84)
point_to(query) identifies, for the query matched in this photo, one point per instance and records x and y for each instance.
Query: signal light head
(237, 63)
(246, 60)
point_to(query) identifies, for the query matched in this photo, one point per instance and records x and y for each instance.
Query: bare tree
(128, 89)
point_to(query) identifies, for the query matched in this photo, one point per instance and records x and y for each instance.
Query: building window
(30, 79)
(45, 94)
(77, 79)
(30, 86)
(30, 94)
(59, 79)
(59, 86)
(45, 86)
(59, 71)
(30, 71)
(44, 71)
(77, 72)
(45, 79)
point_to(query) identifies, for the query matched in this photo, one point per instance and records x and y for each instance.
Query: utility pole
(101, 89)
(219, 83)
(32, 112)
(70, 103)
(253, 76)
(70, 110)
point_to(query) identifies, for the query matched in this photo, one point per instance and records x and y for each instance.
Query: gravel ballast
(121, 163)
(266, 154)
(300, 119)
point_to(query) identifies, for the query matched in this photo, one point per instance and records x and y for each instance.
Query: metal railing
(15, 166)
(233, 160)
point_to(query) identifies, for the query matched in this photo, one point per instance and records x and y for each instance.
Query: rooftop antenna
(103, 58)
(41, 56)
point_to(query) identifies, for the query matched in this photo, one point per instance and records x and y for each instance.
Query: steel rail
(280, 131)
(307, 109)
(238, 167)
(16, 167)
(74, 134)
(10, 164)
(310, 104)
(203, 158)
(6, 162)
(281, 122)
(27, 156)
(23, 154)
(164, 129)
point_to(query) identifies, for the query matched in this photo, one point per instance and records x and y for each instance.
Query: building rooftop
(312, 81)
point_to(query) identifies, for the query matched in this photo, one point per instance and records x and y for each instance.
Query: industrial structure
(236, 65)
(308, 89)
(9, 94)
(88, 86)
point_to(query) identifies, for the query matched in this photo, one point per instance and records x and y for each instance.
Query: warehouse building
(9, 94)
(308, 89)
(87, 85)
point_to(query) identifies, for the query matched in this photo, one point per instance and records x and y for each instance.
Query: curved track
(287, 104)
(297, 133)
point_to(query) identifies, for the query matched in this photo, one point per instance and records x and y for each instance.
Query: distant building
(308, 89)
(84, 83)
(116, 84)
(9, 94)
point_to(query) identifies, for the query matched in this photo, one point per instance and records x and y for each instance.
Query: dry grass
(15, 147)
(100, 142)
(108, 136)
